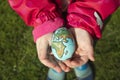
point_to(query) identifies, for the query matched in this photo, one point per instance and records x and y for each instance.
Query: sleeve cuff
(47, 27)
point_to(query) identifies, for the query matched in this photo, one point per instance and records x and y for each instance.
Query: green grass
(18, 56)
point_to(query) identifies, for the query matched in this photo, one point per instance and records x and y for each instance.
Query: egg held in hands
(63, 44)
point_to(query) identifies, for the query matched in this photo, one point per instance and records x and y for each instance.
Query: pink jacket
(45, 15)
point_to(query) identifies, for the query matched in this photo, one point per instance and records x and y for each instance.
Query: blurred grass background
(18, 56)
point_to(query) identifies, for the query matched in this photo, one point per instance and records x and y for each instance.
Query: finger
(74, 61)
(52, 65)
(91, 57)
(81, 52)
(79, 58)
(43, 56)
(77, 62)
(88, 50)
(63, 66)
(91, 54)
(68, 62)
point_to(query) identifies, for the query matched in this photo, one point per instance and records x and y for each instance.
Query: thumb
(91, 57)
(91, 54)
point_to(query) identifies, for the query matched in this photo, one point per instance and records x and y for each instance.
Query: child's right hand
(84, 48)
(42, 44)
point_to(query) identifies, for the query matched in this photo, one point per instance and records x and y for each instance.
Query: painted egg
(63, 44)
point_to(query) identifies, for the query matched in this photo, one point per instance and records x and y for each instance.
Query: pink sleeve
(41, 14)
(90, 14)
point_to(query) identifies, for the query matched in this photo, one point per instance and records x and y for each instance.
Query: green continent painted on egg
(60, 37)
(63, 34)
(59, 47)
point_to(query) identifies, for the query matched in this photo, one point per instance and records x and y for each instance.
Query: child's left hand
(84, 48)
(44, 54)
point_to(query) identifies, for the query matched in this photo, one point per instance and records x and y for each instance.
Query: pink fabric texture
(47, 27)
(45, 15)
(81, 14)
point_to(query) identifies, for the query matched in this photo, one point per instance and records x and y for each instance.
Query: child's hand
(45, 56)
(84, 48)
